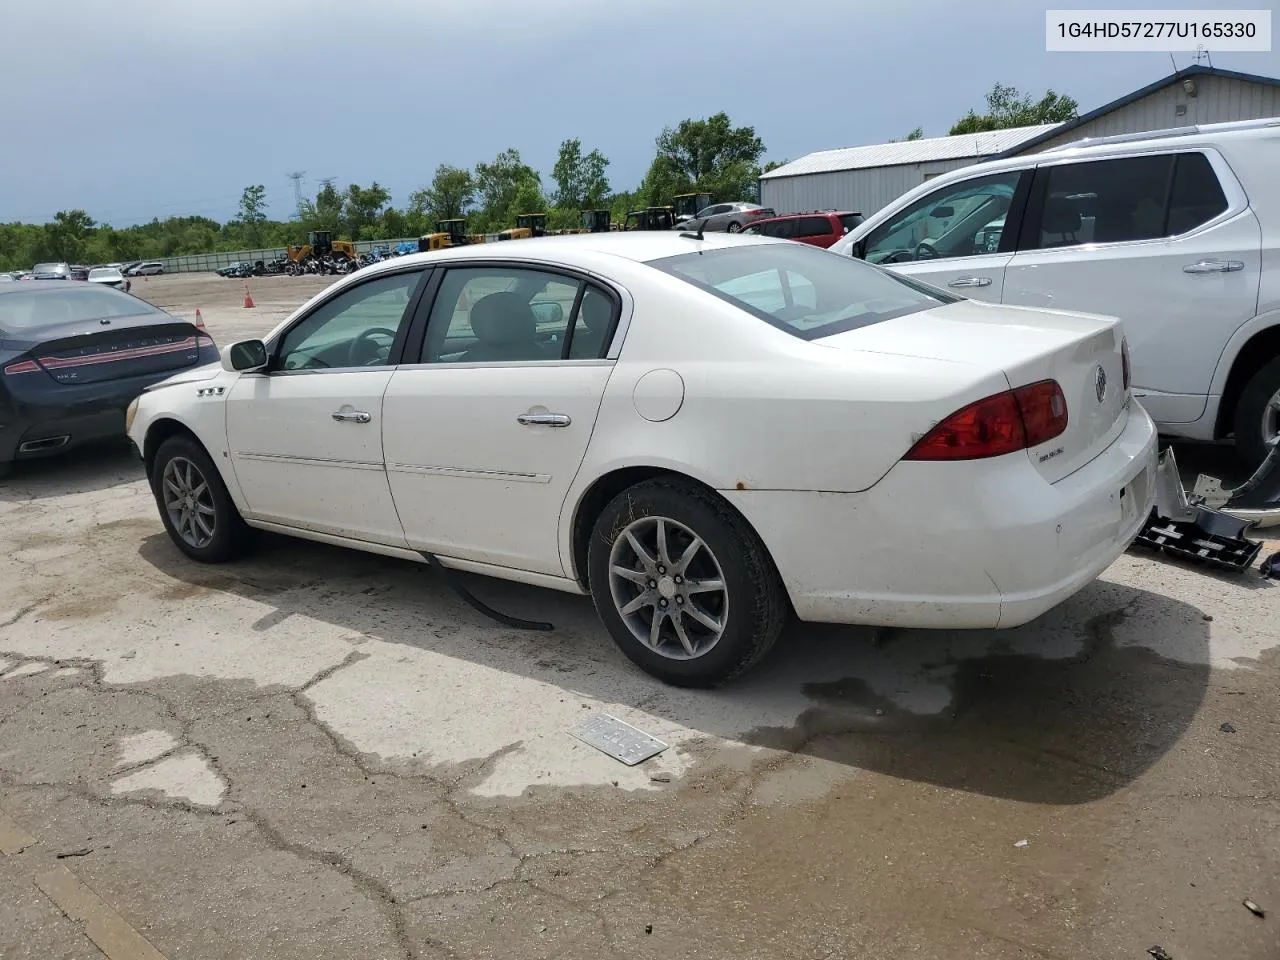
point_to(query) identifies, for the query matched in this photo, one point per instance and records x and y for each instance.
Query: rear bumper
(976, 544)
(29, 427)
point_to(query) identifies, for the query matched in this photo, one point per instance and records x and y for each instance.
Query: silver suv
(1177, 232)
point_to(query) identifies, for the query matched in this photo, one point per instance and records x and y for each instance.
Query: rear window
(26, 309)
(50, 268)
(851, 220)
(807, 292)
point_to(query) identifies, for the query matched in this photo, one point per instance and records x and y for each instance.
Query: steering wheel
(359, 353)
(926, 251)
(898, 256)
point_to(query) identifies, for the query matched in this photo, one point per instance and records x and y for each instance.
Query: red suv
(818, 229)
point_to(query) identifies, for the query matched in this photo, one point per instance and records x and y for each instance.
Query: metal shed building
(864, 179)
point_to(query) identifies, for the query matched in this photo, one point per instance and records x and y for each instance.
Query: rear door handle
(1214, 266)
(970, 282)
(352, 416)
(544, 419)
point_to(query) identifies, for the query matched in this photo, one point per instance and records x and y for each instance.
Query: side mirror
(548, 311)
(942, 213)
(244, 355)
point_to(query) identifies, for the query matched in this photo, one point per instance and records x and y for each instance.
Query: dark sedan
(72, 358)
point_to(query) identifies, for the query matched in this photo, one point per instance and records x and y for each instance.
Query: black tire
(6, 468)
(1248, 421)
(734, 227)
(756, 600)
(231, 536)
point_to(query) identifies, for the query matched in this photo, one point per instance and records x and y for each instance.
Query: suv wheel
(684, 584)
(1257, 418)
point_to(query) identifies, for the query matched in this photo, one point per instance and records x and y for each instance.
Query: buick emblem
(1100, 383)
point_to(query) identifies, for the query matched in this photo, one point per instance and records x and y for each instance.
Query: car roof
(640, 246)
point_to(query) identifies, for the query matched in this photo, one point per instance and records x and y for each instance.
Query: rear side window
(851, 220)
(1197, 195)
(814, 227)
(1132, 198)
(801, 289)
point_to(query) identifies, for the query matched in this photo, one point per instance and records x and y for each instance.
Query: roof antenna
(702, 225)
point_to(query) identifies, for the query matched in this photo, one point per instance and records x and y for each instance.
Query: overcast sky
(131, 109)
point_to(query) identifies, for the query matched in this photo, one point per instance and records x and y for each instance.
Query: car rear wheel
(1257, 419)
(684, 585)
(196, 508)
(734, 227)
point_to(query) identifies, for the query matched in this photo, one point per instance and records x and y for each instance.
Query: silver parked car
(730, 217)
(149, 268)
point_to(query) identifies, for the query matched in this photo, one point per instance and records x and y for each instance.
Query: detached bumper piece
(1209, 526)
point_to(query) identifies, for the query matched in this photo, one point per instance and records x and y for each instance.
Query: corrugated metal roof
(911, 151)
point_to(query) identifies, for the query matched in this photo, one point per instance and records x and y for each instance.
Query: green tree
(362, 206)
(708, 155)
(325, 212)
(450, 196)
(528, 199)
(65, 237)
(498, 182)
(253, 205)
(581, 181)
(1008, 107)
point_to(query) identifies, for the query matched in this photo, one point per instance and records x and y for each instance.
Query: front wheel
(684, 585)
(734, 227)
(1257, 419)
(196, 508)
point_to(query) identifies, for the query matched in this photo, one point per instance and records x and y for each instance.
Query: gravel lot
(322, 754)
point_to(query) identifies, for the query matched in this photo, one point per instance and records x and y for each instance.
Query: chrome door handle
(544, 419)
(357, 416)
(970, 282)
(1214, 266)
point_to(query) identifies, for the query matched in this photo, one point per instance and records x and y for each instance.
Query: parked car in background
(149, 268)
(72, 357)
(1176, 232)
(111, 277)
(79, 272)
(648, 417)
(730, 217)
(816, 229)
(241, 268)
(7, 278)
(51, 271)
(126, 268)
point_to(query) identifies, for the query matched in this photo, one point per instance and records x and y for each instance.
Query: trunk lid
(76, 354)
(1081, 352)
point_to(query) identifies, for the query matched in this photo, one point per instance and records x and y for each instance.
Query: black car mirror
(244, 355)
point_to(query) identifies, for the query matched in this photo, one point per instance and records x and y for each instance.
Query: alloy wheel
(1271, 418)
(668, 588)
(188, 500)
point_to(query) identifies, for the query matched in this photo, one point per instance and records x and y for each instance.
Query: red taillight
(997, 425)
(26, 366)
(1124, 363)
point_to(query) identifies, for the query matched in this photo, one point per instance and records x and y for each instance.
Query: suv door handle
(352, 416)
(970, 282)
(1213, 266)
(544, 419)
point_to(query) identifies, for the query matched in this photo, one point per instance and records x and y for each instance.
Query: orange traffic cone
(199, 320)
(248, 300)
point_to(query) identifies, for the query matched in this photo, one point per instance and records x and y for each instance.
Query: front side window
(514, 314)
(801, 289)
(357, 328)
(951, 222)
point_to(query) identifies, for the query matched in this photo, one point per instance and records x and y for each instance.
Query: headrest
(502, 318)
(595, 312)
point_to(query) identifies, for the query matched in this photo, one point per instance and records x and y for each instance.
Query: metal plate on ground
(618, 739)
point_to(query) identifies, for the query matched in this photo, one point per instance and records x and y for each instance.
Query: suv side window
(813, 227)
(1197, 195)
(954, 221)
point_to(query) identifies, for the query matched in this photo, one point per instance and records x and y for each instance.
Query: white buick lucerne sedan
(705, 433)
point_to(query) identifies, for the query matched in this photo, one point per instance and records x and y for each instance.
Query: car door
(484, 435)
(954, 237)
(305, 435)
(1166, 242)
